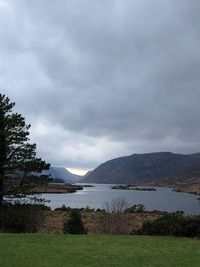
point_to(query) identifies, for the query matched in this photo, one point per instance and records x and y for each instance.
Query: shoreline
(57, 189)
(188, 188)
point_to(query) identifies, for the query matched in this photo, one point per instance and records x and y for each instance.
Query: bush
(88, 209)
(63, 208)
(192, 226)
(21, 218)
(139, 208)
(173, 224)
(113, 220)
(75, 224)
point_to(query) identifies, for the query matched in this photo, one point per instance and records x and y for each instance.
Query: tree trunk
(2, 162)
(3, 150)
(1, 185)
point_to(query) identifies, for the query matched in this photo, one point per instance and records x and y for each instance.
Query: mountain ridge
(62, 173)
(148, 168)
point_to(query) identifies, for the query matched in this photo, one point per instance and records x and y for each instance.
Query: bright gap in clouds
(77, 171)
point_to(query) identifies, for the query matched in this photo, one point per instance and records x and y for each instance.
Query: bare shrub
(113, 220)
(117, 205)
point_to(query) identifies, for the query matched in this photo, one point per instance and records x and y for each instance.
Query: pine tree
(75, 224)
(20, 169)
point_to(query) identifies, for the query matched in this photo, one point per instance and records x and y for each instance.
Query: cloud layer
(101, 79)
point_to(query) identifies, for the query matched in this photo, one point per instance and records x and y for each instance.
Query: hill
(62, 174)
(161, 168)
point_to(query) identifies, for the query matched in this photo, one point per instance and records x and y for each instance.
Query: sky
(103, 79)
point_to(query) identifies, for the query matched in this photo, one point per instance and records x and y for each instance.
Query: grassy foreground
(30, 250)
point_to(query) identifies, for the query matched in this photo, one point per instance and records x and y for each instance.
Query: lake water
(95, 197)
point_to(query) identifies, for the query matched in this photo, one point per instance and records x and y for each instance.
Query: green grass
(40, 250)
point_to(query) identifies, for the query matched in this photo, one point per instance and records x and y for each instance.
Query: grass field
(39, 250)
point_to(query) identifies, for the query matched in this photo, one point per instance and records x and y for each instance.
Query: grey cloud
(116, 77)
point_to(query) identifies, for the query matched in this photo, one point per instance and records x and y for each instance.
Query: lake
(95, 197)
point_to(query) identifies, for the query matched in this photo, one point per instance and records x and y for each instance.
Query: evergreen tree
(20, 169)
(75, 224)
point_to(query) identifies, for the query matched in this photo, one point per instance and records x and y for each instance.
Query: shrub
(63, 208)
(113, 220)
(135, 209)
(75, 224)
(173, 224)
(191, 227)
(21, 218)
(88, 209)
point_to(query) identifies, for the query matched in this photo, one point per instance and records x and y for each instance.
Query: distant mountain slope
(160, 167)
(87, 174)
(63, 174)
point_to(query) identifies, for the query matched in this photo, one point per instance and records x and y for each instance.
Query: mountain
(151, 168)
(60, 173)
(87, 174)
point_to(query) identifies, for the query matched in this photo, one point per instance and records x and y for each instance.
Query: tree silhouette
(20, 169)
(75, 224)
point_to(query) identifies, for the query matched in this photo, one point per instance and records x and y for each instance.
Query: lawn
(40, 250)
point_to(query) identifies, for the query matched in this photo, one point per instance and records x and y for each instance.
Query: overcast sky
(98, 79)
